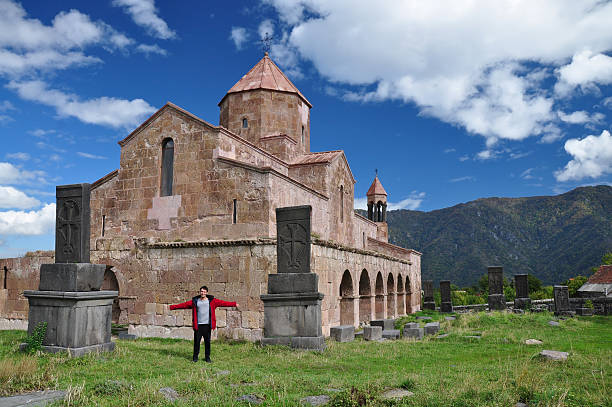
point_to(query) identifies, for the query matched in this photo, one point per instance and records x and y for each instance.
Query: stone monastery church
(194, 204)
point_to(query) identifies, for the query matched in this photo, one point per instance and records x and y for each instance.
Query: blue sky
(450, 100)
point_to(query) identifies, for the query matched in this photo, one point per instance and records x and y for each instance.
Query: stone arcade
(195, 203)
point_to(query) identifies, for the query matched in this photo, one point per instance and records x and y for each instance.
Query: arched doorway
(390, 296)
(379, 303)
(408, 290)
(110, 283)
(365, 291)
(347, 316)
(400, 295)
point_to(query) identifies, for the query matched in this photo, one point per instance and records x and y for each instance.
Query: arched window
(341, 203)
(302, 135)
(245, 123)
(167, 170)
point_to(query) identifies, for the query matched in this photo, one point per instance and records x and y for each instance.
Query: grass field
(496, 370)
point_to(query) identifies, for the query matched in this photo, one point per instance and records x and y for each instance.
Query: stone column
(292, 307)
(497, 299)
(562, 305)
(446, 305)
(428, 295)
(68, 299)
(521, 285)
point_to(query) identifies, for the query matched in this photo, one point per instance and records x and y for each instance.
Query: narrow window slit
(234, 213)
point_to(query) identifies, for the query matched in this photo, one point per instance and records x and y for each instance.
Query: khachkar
(446, 301)
(292, 307)
(562, 304)
(521, 284)
(497, 299)
(428, 295)
(68, 299)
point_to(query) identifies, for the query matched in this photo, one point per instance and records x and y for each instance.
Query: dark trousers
(203, 331)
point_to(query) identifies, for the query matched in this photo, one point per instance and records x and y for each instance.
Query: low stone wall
(13, 324)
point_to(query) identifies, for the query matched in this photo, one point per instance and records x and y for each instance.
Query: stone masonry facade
(217, 227)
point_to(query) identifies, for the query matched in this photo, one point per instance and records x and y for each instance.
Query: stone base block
(71, 277)
(411, 325)
(285, 283)
(565, 313)
(432, 328)
(385, 324)
(292, 315)
(372, 333)
(342, 333)
(585, 312)
(285, 341)
(429, 305)
(391, 334)
(416, 333)
(308, 342)
(522, 303)
(76, 352)
(446, 306)
(497, 302)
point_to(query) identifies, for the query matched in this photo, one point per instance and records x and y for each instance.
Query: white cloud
(26, 44)
(151, 49)
(12, 175)
(28, 223)
(464, 158)
(40, 133)
(5, 106)
(581, 117)
(11, 198)
(527, 174)
(586, 71)
(464, 63)
(104, 111)
(412, 202)
(266, 27)
(449, 150)
(144, 14)
(239, 35)
(592, 158)
(461, 179)
(19, 156)
(92, 156)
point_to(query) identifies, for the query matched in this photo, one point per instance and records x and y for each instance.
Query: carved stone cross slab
(293, 239)
(72, 224)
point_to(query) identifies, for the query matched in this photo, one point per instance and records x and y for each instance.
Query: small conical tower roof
(266, 75)
(376, 188)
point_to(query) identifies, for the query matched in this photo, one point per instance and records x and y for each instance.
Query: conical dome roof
(266, 75)
(376, 188)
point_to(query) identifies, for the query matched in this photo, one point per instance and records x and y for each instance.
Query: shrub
(35, 340)
(588, 304)
(354, 397)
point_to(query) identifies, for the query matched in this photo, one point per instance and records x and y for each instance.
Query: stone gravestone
(428, 295)
(497, 299)
(521, 285)
(292, 307)
(562, 304)
(68, 299)
(446, 305)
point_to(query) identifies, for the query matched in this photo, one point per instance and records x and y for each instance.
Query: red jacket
(214, 303)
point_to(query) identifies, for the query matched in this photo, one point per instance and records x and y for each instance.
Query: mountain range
(551, 237)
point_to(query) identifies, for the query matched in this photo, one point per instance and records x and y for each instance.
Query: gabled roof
(602, 276)
(266, 75)
(376, 188)
(322, 157)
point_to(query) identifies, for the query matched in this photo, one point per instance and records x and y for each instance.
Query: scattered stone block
(450, 318)
(386, 324)
(585, 312)
(416, 333)
(553, 323)
(250, 398)
(533, 342)
(432, 328)
(169, 393)
(315, 400)
(372, 333)
(411, 325)
(554, 355)
(442, 336)
(37, 398)
(473, 337)
(519, 404)
(396, 394)
(391, 334)
(424, 318)
(223, 372)
(359, 334)
(342, 333)
(126, 336)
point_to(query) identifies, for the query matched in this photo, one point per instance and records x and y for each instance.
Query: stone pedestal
(342, 333)
(385, 324)
(522, 303)
(497, 299)
(292, 307)
(416, 333)
(428, 295)
(372, 333)
(77, 322)
(521, 285)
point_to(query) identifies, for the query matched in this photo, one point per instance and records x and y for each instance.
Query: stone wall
(22, 273)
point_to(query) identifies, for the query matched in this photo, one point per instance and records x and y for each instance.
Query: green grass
(496, 370)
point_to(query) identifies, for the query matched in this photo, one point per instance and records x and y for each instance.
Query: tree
(573, 284)
(534, 283)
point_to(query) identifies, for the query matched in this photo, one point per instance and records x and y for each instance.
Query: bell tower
(266, 109)
(377, 208)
